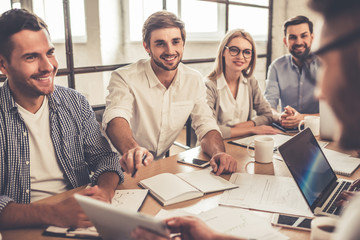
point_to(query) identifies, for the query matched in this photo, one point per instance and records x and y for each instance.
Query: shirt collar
(310, 60)
(9, 102)
(7, 98)
(221, 82)
(153, 79)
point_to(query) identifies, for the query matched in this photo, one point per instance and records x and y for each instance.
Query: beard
(300, 55)
(162, 65)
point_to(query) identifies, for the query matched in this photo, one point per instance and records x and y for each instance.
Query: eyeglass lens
(234, 51)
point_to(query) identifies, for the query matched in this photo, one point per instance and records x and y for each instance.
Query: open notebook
(341, 163)
(170, 188)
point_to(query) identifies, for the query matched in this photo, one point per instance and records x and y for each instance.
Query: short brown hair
(159, 20)
(13, 21)
(296, 21)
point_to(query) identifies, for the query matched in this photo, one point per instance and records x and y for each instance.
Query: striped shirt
(79, 145)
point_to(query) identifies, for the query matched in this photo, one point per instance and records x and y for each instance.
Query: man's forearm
(25, 215)
(108, 180)
(212, 143)
(120, 134)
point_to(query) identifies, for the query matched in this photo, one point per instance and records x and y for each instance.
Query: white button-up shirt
(155, 114)
(233, 111)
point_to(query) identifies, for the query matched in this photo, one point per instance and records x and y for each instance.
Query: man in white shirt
(149, 101)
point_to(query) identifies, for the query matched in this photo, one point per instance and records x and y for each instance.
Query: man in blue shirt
(291, 78)
(50, 141)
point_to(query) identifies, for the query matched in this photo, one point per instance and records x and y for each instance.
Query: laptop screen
(308, 165)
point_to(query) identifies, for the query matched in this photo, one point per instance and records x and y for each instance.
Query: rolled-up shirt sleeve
(119, 102)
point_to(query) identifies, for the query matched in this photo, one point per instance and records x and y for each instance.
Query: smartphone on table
(288, 221)
(195, 162)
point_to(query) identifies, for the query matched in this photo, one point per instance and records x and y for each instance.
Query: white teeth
(169, 58)
(43, 79)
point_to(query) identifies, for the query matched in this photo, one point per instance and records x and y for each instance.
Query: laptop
(114, 223)
(313, 173)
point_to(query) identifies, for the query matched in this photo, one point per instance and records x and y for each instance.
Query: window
(52, 13)
(200, 25)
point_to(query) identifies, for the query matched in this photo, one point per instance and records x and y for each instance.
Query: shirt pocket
(179, 113)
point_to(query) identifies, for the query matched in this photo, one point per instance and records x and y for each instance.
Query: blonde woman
(232, 90)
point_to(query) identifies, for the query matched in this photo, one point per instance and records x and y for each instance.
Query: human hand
(188, 227)
(68, 212)
(223, 163)
(102, 194)
(346, 196)
(132, 159)
(264, 129)
(290, 118)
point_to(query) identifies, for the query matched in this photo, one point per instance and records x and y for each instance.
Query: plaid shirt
(75, 133)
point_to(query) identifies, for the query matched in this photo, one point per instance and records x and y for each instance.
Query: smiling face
(298, 40)
(237, 64)
(32, 65)
(166, 49)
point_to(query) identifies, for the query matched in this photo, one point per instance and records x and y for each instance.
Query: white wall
(283, 10)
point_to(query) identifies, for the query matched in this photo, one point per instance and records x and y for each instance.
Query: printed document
(266, 193)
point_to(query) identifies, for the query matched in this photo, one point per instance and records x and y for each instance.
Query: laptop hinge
(324, 196)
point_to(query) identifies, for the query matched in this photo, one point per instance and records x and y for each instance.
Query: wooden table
(151, 206)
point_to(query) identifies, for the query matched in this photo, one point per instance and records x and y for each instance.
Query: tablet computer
(115, 223)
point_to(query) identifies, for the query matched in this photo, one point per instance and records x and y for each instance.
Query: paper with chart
(231, 221)
(131, 199)
(266, 193)
(240, 223)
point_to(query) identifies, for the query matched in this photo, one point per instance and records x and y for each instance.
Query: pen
(142, 161)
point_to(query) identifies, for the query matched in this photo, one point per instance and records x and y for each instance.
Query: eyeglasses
(234, 51)
(338, 43)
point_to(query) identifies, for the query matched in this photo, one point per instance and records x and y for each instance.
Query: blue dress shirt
(293, 86)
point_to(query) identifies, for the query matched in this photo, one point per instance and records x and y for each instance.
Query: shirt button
(27, 162)
(25, 134)
(27, 191)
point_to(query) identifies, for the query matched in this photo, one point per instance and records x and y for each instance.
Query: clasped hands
(290, 118)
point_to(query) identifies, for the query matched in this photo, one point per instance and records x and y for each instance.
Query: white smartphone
(195, 162)
(302, 223)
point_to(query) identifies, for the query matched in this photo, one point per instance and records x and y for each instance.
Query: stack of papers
(266, 193)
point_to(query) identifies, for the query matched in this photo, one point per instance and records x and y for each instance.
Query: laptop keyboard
(331, 206)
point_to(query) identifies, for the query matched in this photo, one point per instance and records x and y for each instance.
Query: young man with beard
(149, 101)
(291, 77)
(50, 140)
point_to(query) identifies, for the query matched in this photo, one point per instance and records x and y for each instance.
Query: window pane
(199, 21)
(61, 80)
(139, 11)
(256, 2)
(252, 20)
(93, 86)
(4, 5)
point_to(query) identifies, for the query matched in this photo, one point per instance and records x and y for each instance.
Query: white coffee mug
(264, 148)
(312, 122)
(322, 228)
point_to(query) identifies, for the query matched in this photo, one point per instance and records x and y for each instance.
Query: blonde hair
(219, 66)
